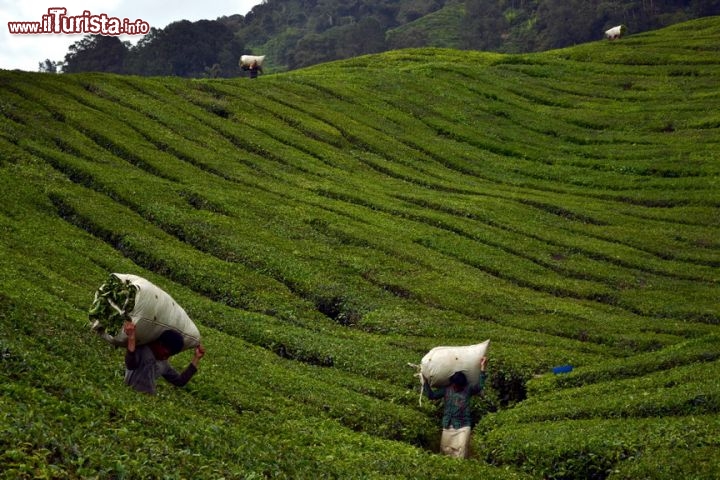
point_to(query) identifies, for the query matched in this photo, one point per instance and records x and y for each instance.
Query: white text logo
(57, 21)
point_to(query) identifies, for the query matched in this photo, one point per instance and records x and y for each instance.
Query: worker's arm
(132, 361)
(430, 393)
(481, 380)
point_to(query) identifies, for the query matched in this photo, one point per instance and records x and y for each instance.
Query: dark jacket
(143, 369)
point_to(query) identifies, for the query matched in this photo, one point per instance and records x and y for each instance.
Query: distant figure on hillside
(615, 32)
(145, 363)
(457, 421)
(253, 63)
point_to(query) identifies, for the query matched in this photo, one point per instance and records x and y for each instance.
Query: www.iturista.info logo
(57, 21)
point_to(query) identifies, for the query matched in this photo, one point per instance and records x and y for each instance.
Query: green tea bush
(569, 449)
(704, 349)
(683, 390)
(696, 463)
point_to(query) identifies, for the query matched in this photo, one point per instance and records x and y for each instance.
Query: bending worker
(145, 363)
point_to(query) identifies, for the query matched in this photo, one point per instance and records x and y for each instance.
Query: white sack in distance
(615, 32)
(247, 60)
(438, 365)
(154, 312)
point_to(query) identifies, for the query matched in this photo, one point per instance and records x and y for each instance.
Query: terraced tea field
(326, 227)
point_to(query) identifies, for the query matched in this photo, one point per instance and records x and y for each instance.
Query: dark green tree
(96, 53)
(562, 23)
(229, 56)
(311, 49)
(48, 66)
(144, 58)
(187, 49)
(483, 25)
(702, 8)
(363, 37)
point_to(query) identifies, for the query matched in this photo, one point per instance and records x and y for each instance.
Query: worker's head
(167, 344)
(459, 379)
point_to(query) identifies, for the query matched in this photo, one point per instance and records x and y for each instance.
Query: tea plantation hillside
(328, 226)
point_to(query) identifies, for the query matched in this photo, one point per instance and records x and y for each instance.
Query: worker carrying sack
(438, 365)
(129, 297)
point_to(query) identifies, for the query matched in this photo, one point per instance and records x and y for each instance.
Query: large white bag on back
(153, 311)
(438, 365)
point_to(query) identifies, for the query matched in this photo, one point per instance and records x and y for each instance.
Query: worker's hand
(483, 363)
(129, 329)
(199, 352)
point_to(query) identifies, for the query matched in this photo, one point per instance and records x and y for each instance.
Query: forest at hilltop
(299, 33)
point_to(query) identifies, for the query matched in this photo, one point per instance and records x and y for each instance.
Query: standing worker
(457, 421)
(145, 363)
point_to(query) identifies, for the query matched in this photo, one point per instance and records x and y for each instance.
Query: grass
(327, 226)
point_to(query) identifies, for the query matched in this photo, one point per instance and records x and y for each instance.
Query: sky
(26, 51)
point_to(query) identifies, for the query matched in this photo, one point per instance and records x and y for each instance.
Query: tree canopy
(96, 53)
(183, 48)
